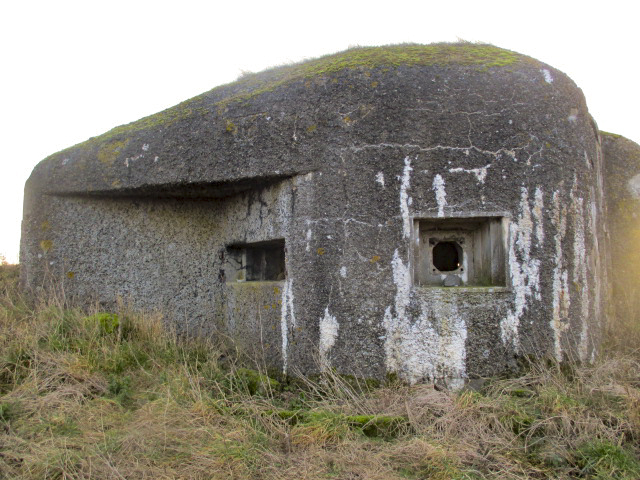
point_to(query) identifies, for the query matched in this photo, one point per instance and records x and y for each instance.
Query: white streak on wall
(309, 234)
(440, 336)
(380, 178)
(547, 75)
(433, 347)
(598, 226)
(405, 200)
(524, 270)
(394, 323)
(559, 320)
(633, 185)
(441, 195)
(480, 173)
(287, 320)
(538, 207)
(596, 266)
(580, 279)
(343, 272)
(328, 335)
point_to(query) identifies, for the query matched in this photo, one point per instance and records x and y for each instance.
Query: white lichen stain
(596, 266)
(405, 200)
(380, 178)
(145, 147)
(431, 348)
(547, 75)
(328, 334)
(524, 271)
(134, 158)
(573, 115)
(480, 173)
(394, 323)
(580, 279)
(441, 195)
(287, 320)
(561, 301)
(309, 234)
(538, 207)
(343, 272)
(633, 185)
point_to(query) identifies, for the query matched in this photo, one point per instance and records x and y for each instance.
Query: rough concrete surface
(622, 182)
(362, 163)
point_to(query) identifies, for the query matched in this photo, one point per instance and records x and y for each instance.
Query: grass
(482, 57)
(115, 395)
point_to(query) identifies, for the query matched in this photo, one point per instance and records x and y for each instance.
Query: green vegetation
(108, 152)
(480, 56)
(609, 134)
(116, 395)
(8, 273)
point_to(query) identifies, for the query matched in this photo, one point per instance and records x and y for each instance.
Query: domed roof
(284, 119)
(481, 57)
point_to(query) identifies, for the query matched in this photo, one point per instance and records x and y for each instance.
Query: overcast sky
(75, 69)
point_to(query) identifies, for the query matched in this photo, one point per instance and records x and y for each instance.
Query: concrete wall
(622, 185)
(165, 255)
(372, 314)
(347, 167)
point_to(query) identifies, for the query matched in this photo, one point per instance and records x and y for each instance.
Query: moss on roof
(483, 56)
(609, 134)
(397, 55)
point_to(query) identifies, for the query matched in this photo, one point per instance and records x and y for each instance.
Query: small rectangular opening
(458, 252)
(256, 262)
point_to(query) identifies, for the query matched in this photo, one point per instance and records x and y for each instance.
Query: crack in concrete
(509, 152)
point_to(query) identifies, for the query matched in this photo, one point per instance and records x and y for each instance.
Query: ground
(115, 395)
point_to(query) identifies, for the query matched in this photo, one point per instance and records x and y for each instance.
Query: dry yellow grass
(82, 397)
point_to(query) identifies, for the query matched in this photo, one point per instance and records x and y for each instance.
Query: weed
(116, 395)
(8, 412)
(601, 459)
(109, 322)
(120, 389)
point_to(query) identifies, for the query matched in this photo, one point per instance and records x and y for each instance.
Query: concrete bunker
(435, 212)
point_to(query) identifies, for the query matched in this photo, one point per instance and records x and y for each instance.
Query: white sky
(75, 69)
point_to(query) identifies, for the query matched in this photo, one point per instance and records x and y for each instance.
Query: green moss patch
(609, 134)
(482, 56)
(372, 426)
(602, 459)
(108, 152)
(444, 54)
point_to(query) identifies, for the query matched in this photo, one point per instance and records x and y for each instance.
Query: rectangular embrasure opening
(256, 262)
(460, 252)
